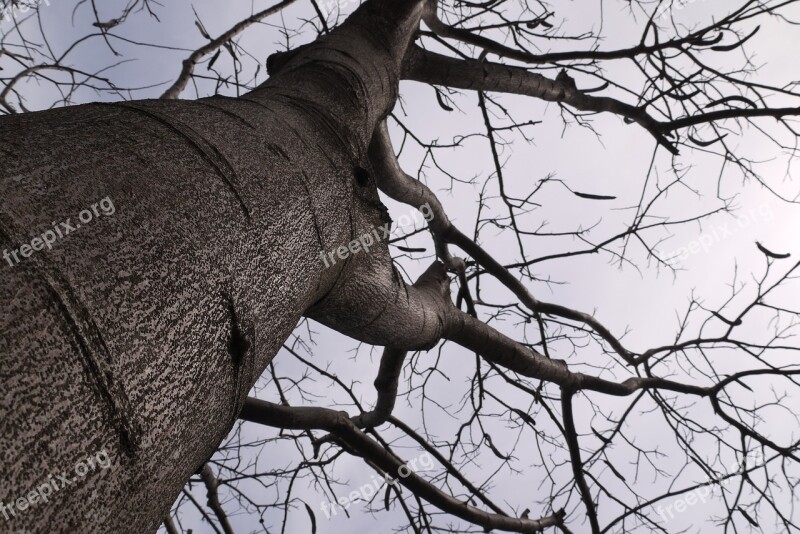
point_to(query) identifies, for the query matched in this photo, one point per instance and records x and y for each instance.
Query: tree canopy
(591, 217)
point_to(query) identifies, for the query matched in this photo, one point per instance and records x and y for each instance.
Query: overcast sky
(634, 296)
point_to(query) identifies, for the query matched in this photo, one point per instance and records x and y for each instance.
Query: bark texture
(140, 333)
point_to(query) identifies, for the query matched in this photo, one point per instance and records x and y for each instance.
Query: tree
(186, 239)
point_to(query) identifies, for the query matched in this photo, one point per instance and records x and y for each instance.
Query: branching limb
(571, 437)
(398, 185)
(497, 348)
(169, 526)
(202, 511)
(466, 36)
(446, 463)
(189, 63)
(386, 385)
(437, 69)
(212, 487)
(338, 423)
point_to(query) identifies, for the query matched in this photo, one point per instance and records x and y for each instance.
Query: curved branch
(398, 185)
(441, 29)
(386, 385)
(499, 349)
(338, 423)
(446, 463)
(735, 113)
(189, 63)
(437, 69)
(571, 437)
(430, 67)
(212, 488)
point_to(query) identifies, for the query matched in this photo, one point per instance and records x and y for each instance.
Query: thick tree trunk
(140, 333)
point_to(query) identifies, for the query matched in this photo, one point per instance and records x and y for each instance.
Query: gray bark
(140, 333)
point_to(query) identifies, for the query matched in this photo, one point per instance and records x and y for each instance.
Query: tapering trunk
(139, 332)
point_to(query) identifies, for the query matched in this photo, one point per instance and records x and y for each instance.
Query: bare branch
(189, 63)
(338, 423)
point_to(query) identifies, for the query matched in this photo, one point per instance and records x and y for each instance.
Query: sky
(635, 297)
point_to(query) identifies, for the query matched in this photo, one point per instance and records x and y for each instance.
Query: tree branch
(189, 63)
(338, 423)
(571, 437)
(398, 185)
(386, 386)
(430, 67)
(212, 488)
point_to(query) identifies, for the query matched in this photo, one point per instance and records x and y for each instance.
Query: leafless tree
(242, 201)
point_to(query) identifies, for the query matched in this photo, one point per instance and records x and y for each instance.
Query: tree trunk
(140, 332)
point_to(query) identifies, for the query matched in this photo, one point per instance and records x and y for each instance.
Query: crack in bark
(96, 356)
(207, 150)
(240, 349)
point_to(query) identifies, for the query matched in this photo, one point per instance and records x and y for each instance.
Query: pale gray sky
(637, 297)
